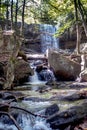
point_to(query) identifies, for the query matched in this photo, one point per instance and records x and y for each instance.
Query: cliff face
(40, 37)
(69, 38)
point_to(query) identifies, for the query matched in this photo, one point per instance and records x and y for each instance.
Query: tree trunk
(11, 14)
(0, 7)
(22, 27)
(16, 13)
(82, 17)
(7, 14)
(77, 27)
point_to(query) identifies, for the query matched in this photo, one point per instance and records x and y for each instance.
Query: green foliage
(46, 11)
(64, 27)
(63, 12)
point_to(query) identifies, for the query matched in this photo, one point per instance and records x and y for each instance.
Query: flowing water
(36, 101)
(48, 40)
(27, 123)
(37, 105)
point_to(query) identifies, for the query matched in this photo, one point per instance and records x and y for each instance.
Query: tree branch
(12, 118)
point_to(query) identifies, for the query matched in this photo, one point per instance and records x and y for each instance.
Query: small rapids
(26, 122)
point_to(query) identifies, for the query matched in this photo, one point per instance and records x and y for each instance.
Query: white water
(48, 40)
(34, 80)
(28, 123)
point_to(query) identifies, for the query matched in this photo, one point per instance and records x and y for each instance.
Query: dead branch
(42, 116)
(12, 118)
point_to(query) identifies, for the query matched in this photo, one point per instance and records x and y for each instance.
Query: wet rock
(51, 110)
(4, 107)
(38, 62)
(2, 80)
(71, 116)
(47, 75)
(39, 68)
(8, 96)
(75, 96)
(36, 99)
(1, 95)
(6, 120)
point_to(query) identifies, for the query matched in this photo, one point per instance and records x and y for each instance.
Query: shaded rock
(1, 95)
(6, 120)
(44, 73)
(8, 96)
(22, 71)
(39, 68)
(2, 80)
(47, 75)
(71, 116)
(51, 110)
(38, 62)
(64, 68)
(22, 55)
(1, 70)
(75, 96)
(36, 99)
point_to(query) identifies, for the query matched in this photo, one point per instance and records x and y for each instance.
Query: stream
(39, 96)
(37, 102)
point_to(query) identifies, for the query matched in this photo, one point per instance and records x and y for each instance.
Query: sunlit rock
(83, 75)
(64, 68)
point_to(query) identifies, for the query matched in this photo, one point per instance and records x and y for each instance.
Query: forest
(43, 64)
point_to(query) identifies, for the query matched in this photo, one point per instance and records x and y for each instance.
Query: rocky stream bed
(63, 106)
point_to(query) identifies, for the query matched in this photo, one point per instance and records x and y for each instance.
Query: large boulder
(22, 70)
(64, 68)
(51, 110)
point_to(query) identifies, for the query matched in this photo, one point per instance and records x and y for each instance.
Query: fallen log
(71, 116)
(36, 57)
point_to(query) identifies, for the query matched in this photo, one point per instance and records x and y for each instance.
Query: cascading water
(26, 122)
(48, 40)
(45, 75)
(34, 79)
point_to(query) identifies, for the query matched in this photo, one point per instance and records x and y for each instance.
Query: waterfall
(48, 40)
(34, 79)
